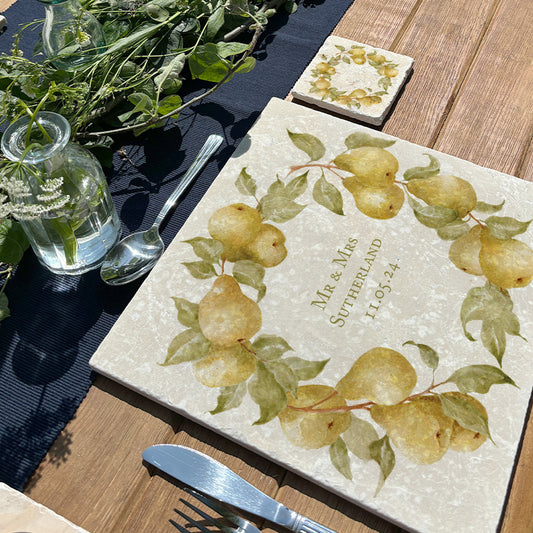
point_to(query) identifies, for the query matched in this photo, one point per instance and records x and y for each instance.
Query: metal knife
(206, 475)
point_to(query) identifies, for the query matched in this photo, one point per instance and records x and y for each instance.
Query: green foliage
(431, 169)
(479, 378)
(338, 453)
(151, 48)
(494, 309)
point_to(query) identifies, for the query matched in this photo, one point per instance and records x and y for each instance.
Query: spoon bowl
(136, 254)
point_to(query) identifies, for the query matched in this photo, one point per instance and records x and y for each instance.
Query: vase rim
(13, 140)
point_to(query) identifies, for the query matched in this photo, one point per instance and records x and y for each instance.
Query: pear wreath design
(375, 409)
(377, 65)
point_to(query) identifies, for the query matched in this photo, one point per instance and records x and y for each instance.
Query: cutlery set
(207, 476)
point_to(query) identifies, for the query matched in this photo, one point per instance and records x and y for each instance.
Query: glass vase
(71, 35)
(72, 235)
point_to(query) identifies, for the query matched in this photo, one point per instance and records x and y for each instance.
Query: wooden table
(469, 96)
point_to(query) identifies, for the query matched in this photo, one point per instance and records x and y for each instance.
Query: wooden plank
(92, 475)
(442, 37)
(518, 515)
(491, 121)
(376, 23)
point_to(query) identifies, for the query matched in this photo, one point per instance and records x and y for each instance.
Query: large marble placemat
(440, 458)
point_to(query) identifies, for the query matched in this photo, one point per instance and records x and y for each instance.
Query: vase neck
(50, 133)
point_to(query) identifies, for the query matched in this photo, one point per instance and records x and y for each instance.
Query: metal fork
(243, 526)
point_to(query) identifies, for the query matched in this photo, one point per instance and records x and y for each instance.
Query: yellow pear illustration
(419, 428)
(224, 366)
(268, 247)
(226, 315)
(462, 439)
(446, 191)
(464, 252)
(506, 263)
(376, 202)
(371, 165)
(311, 429)
(234, 226)
(380, 375)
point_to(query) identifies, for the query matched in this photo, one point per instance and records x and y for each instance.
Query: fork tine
(241, 523)
(197, 524)
(207, 517)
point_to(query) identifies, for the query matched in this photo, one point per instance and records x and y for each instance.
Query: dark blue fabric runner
(58, 322)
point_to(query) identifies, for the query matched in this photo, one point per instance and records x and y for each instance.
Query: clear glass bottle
(71, 35)
(74, 237)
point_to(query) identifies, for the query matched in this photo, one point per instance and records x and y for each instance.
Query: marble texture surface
(353, 79)
(20, 513)
(338, 263)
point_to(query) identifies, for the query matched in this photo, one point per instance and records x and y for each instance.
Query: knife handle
(306, 525)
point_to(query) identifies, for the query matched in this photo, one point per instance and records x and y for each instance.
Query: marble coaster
(353, 79)
(20, 513)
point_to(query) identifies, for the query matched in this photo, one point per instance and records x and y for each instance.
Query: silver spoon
(137, 253)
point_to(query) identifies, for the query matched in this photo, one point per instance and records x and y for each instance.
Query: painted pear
(371, 165)
(226, 315)
(234, 225)
(375, 202)
(462, 439)
(380, 375)
(268, 247)
(311, 429)
(446, 191)
(224, 366)
(464, 252)
(506, 263)
(419, 429)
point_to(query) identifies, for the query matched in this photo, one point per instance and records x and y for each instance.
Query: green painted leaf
(359, 436)
(209, 250)
(4, 306)
(494, 309)
(270, 347)
(483, 207)
(428, 355)
(465, 413)
(431, 169)
(479, 378)
(432, 216)
(338, 453)
(453, 230)
(251, 274)
(189, 345)
(187, 312)
(506, 227)
(200, 269)
(328, 196)
(13, 242)
(230, 398)
(296, 187)
(383, 454)
(279, 208)
(355, 140)
(267, 393)
(246, 184)
(309, 144)
(305, 369)
(284, 375)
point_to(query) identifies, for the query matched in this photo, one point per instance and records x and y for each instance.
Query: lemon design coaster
(353, 79)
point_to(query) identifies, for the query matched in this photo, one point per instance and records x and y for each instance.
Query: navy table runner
(57, 322)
